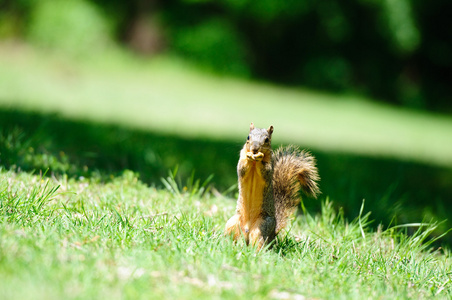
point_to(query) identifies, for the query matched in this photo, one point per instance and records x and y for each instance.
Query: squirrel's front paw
(255, 157)
(250, 155)
(259, 156)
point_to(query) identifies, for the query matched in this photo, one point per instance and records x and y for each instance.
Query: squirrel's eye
(267, 140)
(248, 138)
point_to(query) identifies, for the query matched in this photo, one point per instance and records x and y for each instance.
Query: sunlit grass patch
(86, 238)
(171, 97)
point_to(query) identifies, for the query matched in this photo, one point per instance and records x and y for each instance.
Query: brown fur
(294, 171)
(269, 187)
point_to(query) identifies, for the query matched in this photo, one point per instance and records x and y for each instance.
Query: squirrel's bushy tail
(293, 171)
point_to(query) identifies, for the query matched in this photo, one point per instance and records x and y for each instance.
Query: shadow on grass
(395, 192)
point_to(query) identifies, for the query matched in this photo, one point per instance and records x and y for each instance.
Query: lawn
(102, 223)
(113, 112)
(83, 239)
(168, 96)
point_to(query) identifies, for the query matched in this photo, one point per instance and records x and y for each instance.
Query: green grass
(101, 115)
(89, 229)
(84, 238)
(396, 192)
(167, 96)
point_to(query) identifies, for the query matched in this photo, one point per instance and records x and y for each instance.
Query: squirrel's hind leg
(233, 227)
(262, 231)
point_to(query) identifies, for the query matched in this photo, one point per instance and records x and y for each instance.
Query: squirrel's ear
(251, 126)
(270, 130)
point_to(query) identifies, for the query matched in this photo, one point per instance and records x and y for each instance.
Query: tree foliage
(394, 50)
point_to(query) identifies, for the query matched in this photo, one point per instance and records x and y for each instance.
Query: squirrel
(269, 187)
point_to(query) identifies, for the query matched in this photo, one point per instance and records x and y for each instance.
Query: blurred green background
(94, 87)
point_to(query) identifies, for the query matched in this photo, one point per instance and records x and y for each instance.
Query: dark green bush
(397, 51)
(214, 44)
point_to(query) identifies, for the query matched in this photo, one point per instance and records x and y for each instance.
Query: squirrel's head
(259, 139)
